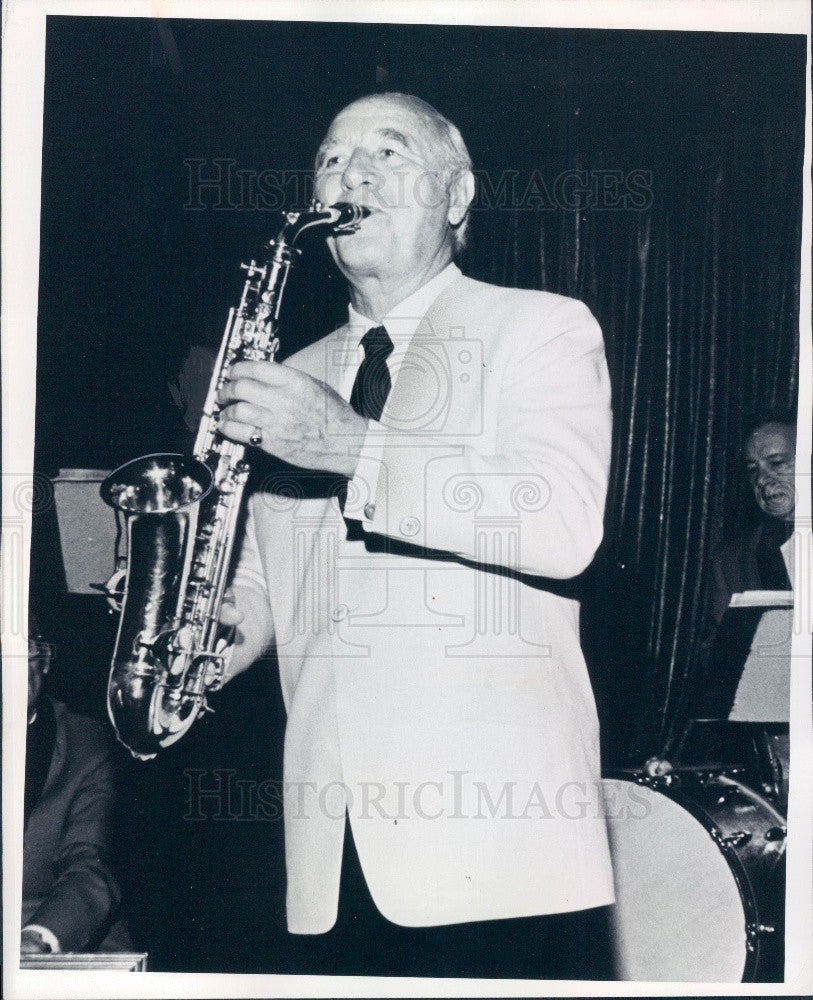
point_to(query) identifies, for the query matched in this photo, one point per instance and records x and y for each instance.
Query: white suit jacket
(435, 687)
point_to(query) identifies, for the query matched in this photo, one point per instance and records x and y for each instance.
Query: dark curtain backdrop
(691, 265)
(700, 314)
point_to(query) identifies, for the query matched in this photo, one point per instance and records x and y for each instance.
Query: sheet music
(763, 693)
(762, 598)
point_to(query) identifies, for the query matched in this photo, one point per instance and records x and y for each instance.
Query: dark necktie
(370, 391)
(373, 382)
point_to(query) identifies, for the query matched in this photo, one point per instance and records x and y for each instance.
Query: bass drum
(699, 879)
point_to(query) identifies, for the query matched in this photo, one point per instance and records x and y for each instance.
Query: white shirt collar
(403, 319)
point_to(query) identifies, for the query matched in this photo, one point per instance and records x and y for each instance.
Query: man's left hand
(302, 420)
(31, 943)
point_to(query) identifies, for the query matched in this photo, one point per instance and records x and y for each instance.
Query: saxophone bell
(157, 484)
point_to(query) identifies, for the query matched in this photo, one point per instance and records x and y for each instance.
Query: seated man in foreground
(70, 897)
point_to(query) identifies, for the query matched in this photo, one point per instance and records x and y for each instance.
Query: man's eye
(387, 152)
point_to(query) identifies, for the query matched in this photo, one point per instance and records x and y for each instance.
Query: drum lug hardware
(661, 781)
(757, 930)
(729, 796)
(736, 839)
(776, 833)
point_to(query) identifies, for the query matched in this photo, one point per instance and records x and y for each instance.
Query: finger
(32, 946)
(265, 372)
(229, 615)
(248, 389)
(236, 431)
(243, 413)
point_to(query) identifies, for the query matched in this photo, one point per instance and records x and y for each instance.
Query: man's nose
(763, 474)
(359, 170)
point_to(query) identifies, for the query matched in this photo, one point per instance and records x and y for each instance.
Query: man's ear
(461, 195)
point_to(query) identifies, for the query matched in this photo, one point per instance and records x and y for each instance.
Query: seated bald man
(443, 810)
(757, 558)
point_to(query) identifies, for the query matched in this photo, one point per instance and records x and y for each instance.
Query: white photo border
(23, 69)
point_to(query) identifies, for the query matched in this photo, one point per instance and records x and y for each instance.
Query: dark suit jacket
(68, 886)
(750, 561)
(734, 570)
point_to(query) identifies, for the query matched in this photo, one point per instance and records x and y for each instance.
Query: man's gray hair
(453, 156)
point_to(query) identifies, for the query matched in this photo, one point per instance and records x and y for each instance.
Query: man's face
(379, 153)
(770, 461)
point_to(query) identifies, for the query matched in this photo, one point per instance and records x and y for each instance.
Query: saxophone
(181, 517)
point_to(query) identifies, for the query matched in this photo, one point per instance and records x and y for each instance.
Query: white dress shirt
(400, 323)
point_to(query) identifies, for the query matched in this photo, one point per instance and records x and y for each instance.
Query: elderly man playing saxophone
(443, 809)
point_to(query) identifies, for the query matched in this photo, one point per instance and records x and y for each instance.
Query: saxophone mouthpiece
(348, 215)
(343, 217)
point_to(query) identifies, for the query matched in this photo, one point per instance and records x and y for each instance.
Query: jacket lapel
(420, 384)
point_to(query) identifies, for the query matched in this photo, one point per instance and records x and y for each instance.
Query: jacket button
(339, 613)
(369, 511)
(410, 526)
